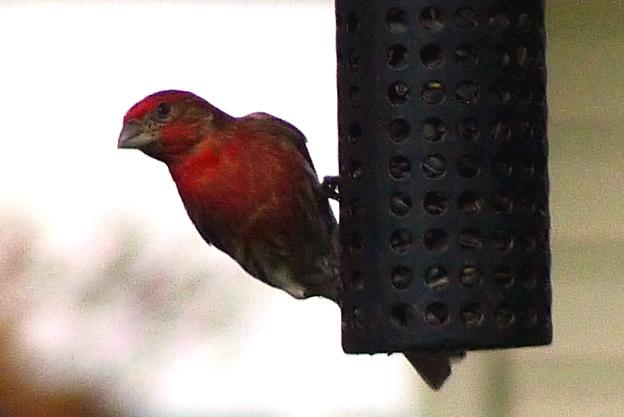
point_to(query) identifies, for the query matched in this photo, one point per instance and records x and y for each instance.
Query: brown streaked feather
(283, 131)
(308, 248)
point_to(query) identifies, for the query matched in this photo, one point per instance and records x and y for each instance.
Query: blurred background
(112, 305)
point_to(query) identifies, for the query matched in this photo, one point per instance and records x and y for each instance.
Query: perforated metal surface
(444, 185)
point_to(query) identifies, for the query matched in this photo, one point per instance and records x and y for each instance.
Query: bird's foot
(331, 187)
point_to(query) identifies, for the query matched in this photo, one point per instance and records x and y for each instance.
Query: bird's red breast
(246, 181)
(249, 186)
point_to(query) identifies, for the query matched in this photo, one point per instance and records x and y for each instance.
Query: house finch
(250, 188)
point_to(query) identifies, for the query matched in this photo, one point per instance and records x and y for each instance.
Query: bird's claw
(331, 187)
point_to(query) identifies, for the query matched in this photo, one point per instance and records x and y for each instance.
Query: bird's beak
(134, 136)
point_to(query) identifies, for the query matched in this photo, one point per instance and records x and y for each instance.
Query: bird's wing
(283, 131)
(288, 134)
(320, 226)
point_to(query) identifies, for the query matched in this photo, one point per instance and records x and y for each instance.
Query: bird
(249, 186)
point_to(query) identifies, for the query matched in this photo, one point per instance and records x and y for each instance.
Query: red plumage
(250, 188)
(248, 185)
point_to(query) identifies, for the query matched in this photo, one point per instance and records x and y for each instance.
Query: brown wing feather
(284, 131)
(315, 266)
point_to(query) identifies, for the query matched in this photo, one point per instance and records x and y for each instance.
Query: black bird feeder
(444, 218)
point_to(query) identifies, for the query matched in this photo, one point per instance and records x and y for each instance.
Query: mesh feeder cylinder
(444, 218)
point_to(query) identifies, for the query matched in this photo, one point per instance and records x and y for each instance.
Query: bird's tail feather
(433, 366)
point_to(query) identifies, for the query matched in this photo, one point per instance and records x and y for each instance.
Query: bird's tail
(433, 366)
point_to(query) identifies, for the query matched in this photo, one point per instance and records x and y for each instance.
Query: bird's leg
(331, 187)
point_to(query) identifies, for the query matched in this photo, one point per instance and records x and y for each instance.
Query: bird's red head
(169, 124)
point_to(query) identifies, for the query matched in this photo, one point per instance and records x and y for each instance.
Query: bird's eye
(163, 110)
